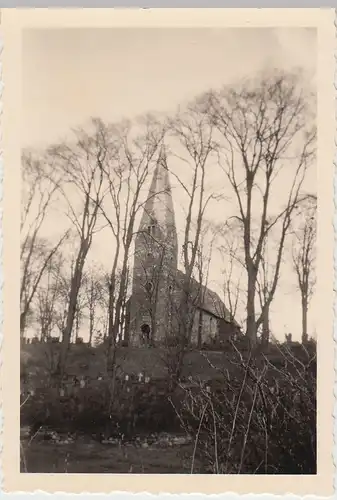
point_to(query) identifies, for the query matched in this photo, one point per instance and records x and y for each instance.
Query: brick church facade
(152, 310)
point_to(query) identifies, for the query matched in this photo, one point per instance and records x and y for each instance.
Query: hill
(39, 360)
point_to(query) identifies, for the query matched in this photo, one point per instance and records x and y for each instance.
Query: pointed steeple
(158, 208)
(155, 259)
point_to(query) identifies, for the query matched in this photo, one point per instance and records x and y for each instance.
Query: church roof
(159, 210)
(208, 300)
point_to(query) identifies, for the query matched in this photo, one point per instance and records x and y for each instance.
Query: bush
(260, 420)
(89, 410)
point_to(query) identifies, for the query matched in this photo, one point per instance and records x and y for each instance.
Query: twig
(23, 457)
(197, 437)
(247, 430)
(237, 409)
(31, 439)
(215, 441)
(25, 401)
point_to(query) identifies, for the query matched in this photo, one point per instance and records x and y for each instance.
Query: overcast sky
(71, 75)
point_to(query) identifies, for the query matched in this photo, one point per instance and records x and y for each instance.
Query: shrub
(260, 420)
(89, 410)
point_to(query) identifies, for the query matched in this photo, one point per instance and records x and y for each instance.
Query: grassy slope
(83, 360)
(36, 360)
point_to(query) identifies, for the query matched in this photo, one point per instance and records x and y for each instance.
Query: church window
(151, 229)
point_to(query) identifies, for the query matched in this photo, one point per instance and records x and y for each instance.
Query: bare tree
(62, 284)
(230, 247)
(40, 254)
(81, 164)
(264, 286)
(303, 258)
(93, 290)
(266, 140)
(193, 133)
(126, 177)
(39, 190)
(79, 313)
(37, 194)
(232, 291)
(203, 262)
(47, 298)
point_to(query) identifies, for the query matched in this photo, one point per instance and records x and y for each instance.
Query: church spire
(158, 208)
(155, 260)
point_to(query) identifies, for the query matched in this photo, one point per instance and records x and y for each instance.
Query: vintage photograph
(169, 208)
(168, 235)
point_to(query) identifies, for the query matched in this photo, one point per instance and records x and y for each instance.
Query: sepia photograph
(169, 222)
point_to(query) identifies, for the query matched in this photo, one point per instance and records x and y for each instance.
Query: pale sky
(71, 75)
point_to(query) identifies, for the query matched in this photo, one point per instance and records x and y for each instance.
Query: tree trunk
(251, 324)
(22, 324)
(77, 329)
(115, 326)
(304, 319)
(110, 335)
(265, 328)
(200, 328)
(123, 320)
(71, 312)
(91, 326)
(111, 352)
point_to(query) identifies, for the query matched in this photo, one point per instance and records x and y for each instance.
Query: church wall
(195, 329)
(153, 266)
(228, 330)
(209, 328)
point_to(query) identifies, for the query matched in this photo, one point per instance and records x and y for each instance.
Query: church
(152, 312)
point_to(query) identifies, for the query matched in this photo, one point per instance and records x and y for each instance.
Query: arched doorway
(146, 330)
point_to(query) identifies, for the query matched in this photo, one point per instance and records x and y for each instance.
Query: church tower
(155, 263)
